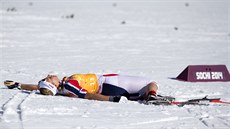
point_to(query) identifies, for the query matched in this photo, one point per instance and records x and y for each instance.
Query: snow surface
(151, 38)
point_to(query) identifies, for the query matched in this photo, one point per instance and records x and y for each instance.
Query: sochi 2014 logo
(209, 75)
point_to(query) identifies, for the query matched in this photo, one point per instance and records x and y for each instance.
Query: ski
(200, 101)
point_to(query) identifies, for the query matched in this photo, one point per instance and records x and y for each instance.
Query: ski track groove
(4, 105)
(201, 119)
(15, 105)
(225, 122)
(209, 124)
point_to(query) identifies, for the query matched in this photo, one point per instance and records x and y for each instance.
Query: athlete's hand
(64, 79)
(114, 98)
(11, 84)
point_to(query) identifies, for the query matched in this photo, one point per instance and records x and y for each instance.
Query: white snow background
(151, 38)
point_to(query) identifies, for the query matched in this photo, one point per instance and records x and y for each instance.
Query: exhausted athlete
(107, 87)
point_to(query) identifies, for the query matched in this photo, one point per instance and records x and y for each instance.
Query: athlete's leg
(130, 86)
(151, 89)
(135, 84)
(110, 86)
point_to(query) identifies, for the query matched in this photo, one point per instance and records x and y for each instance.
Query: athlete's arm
(29, 87)
(73, 87)
(12, 84)
(96, 97)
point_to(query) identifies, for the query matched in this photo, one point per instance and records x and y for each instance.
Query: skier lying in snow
(108, 87)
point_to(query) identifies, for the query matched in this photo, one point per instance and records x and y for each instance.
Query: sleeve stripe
(76, 90)
(73, 86)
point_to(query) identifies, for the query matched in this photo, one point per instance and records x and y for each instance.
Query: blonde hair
(45, 91)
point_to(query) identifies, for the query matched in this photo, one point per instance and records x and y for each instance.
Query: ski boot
(159, 100)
